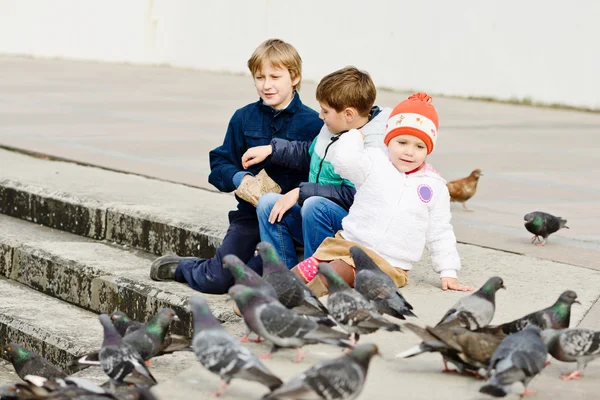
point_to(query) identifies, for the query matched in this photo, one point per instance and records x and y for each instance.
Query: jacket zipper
(333, 140)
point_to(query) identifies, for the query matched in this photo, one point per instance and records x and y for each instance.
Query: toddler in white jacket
(401, 205)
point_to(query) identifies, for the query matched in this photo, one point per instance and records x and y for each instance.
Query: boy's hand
(283, 204)
(452, 284)
(256, 155)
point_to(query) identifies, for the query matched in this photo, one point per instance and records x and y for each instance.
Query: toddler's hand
(256, 155)
(283, 204)
(452, 284)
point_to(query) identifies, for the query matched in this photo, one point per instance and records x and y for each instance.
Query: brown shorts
(339, 248)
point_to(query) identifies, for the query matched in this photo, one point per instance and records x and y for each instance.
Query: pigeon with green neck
(118, 359)
(243, 275)
(557, 316)
(542, 225)
(27, 362)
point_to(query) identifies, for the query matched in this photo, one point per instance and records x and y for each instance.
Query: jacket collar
(290, 109)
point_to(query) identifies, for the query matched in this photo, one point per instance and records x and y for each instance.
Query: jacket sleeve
(342, 195)
(441, 242)
(349, 158)
(226, 160)
(291, 154)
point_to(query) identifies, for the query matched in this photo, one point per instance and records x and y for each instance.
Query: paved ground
(162, 122)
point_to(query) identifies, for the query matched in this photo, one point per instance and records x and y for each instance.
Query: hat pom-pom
(422, 96)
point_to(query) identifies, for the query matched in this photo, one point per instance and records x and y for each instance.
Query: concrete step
(60, 331)
(56, 330)
(93, 275)
(148, 214)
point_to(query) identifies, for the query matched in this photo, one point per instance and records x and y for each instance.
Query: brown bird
(463, 189)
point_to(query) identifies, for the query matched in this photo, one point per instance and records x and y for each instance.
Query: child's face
(407, 152)
(336, 121)
(275, 85)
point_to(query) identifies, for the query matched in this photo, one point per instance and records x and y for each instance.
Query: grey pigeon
(223, 355)
(27, 362)
(123, 324)
(290, 289)
(118, 358)
(519, 358)
(557, 316)
(72, 388)
(341, 378)
(378, 287)
(283, 327)
(244, 275)
(543, 224)
(478, 308)
(350, 309)
(149, 340)
(573, 345)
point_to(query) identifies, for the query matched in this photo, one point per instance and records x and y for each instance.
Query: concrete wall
(512, 49)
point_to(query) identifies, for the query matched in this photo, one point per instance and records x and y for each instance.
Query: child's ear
(350, 113)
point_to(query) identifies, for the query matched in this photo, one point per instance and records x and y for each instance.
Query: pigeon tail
(493, 390)
(563, 223)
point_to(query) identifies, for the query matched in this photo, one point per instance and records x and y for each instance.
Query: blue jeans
(208, 275)
(309, 225)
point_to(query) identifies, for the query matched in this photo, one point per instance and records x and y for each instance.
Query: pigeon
(123, 324)
(469, 351)
(378, 287)
(543, 224)
(340, 378)
(37, 387)
(268, 318)
(150, 340)
(244, 275)
(350, 309)
(117, 357)
(290, 289)
(519, 358)
(27, 362)
(223, 355)
(573, 345)
(463, 189)
(475, 349)
(478, 308)
(557, 316)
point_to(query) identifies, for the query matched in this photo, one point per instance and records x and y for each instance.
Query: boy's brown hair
(281, 55)
(348, 87)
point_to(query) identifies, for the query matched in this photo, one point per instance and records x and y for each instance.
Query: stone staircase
(78, 241)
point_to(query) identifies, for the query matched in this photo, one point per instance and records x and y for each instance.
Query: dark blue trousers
(208, 275)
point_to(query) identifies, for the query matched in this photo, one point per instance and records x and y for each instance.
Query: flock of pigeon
(539, 223)
(279, 308)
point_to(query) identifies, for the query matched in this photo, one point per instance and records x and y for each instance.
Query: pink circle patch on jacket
(425, 193)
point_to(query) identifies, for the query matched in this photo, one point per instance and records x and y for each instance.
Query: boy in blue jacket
(314, 211)
(276, 68)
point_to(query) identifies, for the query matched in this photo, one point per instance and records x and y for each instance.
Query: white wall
(510, 49)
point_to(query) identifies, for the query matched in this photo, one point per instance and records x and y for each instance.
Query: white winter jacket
(394, 214)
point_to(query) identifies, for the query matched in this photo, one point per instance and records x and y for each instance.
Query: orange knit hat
(415, 116)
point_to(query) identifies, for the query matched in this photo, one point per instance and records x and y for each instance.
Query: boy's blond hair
(281, 55)
(348, 87)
